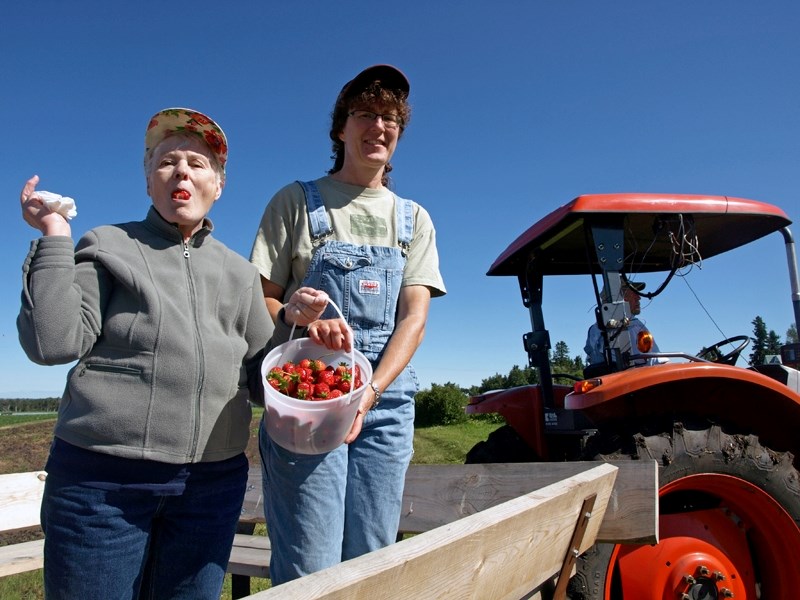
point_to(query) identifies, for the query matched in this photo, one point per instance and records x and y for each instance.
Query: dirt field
(24, 447)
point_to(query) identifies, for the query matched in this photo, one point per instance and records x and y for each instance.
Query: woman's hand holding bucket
(305, 306)
(332, 333)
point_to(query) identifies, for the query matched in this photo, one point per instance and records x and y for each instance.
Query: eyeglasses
(390, 121)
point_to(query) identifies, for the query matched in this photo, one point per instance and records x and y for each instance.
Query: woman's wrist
(282, 315)
(377, 391)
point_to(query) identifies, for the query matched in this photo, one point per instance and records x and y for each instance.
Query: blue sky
(519, 106)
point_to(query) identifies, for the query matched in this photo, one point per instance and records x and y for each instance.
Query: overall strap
(317, 217)
(405, 223)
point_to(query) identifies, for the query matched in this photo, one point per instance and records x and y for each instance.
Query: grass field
(20, 418)
(24, 445)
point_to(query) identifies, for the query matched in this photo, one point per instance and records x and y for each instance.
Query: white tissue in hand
(63, 205)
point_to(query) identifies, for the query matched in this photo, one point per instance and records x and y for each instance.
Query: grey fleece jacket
(164, 335)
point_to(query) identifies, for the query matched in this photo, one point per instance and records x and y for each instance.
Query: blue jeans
(148, 531)
(324, 508)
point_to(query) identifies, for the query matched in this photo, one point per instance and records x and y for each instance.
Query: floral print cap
(177, 120)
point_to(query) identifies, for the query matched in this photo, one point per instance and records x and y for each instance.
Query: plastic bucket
(311, 426)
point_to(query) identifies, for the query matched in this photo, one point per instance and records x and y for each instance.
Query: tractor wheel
(503, 445)
(729, 516)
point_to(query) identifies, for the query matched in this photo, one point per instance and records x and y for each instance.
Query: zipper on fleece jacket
(198, 347)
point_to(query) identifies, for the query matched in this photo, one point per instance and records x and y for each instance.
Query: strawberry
(275, 374)
(327, 377)
(278, 379)
(344, 385)
(305, 390)
(322, 391)
(357, 382)
(312, 379)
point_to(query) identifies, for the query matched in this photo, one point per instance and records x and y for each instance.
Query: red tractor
(726, 438)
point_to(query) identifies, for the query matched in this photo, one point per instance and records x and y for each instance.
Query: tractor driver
(594, 338)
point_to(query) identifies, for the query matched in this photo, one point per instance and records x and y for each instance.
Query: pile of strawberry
(312, 379)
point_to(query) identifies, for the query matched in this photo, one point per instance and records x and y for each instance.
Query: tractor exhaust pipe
(791, 258)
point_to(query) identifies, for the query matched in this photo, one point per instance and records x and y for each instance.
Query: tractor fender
(523, 409)
(733, 397)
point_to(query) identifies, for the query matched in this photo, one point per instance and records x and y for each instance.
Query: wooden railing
(509, 527)
(445, 495)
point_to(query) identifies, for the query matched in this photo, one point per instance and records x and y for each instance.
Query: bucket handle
(346, 324)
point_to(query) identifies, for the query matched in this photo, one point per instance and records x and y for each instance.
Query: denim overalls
(322, 509)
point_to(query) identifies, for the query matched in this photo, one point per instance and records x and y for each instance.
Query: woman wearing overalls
(375, 255)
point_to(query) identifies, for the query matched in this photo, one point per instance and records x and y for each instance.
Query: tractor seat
(596, 370)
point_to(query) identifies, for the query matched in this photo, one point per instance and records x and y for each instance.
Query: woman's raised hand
(37, 215)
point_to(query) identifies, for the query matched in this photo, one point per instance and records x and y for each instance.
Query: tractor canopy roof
(661, 232)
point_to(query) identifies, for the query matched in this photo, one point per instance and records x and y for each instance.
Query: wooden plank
(503, 549)
(439, 494)
(632, 513)
(250, 555)
(253, 506)
(20, 499)
(245, 540)
(19, 558)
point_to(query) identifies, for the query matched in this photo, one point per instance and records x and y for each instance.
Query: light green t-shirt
(282, 248)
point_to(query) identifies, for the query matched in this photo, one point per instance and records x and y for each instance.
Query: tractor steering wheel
(716, 354)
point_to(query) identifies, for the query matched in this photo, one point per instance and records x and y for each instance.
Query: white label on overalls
(369, 286)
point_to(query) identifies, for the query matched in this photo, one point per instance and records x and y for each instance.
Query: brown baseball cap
(636, 286)
(391, 78)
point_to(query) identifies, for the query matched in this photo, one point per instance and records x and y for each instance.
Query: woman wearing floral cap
(147, 470)
(374, 254)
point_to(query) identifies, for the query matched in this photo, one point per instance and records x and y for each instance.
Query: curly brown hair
(372, 95)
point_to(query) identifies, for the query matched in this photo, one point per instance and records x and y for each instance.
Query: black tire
(681, 453)
(504, 445)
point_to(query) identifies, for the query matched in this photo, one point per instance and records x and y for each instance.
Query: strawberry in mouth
(181, 195)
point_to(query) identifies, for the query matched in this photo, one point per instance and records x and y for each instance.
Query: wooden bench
(20, 501)
(437, 495)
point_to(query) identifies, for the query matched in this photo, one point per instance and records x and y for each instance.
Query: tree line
(766, 342)
(443, 404)
(28, 405)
